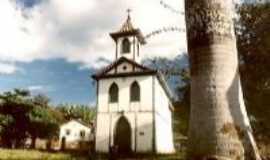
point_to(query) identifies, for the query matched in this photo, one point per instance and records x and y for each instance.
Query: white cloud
(36, 88)
(40, 88)
(92, 104)
(6, 68)
(78, 30)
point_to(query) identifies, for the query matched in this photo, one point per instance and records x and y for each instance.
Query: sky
(53, 46)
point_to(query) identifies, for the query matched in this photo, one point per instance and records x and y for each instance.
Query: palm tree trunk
(219, 125)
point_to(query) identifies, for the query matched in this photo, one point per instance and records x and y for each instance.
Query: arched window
(113, 93)
(125, 46)
(135, 92)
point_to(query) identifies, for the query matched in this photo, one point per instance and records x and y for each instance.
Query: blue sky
(63, 82)
(28, 3)
(52, 47)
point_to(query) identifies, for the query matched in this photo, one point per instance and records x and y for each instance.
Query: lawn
(19, 154)
(8, 154)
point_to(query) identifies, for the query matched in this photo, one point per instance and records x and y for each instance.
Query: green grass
(176, 156)
(19, 154)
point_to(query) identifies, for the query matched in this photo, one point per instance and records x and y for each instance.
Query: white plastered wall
(133, 48)
(75, 129)
(138, 114)
(124, 103)
(102, 132)
(163, 121)
(145, 132)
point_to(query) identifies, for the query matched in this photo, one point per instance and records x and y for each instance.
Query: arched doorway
(122, 136)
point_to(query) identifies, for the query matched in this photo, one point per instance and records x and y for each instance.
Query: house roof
(102, 74)
(78, 121)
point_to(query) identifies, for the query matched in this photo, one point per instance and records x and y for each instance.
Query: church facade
(134, 109)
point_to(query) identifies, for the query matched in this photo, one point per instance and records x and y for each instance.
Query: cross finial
(129, 10)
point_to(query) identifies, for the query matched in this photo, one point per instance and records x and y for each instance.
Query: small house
(75, 135)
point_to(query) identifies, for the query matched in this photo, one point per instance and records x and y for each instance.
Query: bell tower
(128, 41)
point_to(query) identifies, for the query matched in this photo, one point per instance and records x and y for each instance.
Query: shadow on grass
(77, 154)
(177, 156)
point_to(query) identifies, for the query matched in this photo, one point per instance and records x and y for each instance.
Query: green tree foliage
(15, 107)
(253, 33)
(79, 112)
(43, 117)
(5, 121)
(183, 109)
(170, 68)
(41, 100)
(24, 116)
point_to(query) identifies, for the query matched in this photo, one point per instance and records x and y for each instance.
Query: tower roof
(127, 26)
(128, 29)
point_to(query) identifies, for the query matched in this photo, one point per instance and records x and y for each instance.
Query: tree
(183, 92)
(80, 112)
(218, 126)
(24, 116)
(43, 122)
(5, 121)
(253, 39)
(170, 68)
(14, 109)
(41, 100)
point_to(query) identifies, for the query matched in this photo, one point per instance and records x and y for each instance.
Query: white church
(134, 109)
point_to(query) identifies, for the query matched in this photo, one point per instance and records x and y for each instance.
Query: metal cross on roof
(128, 11)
